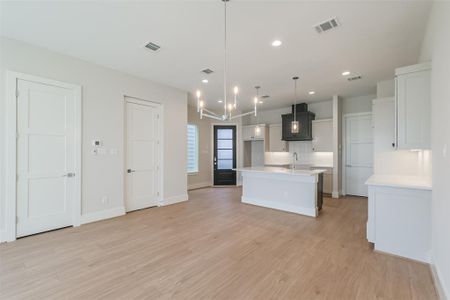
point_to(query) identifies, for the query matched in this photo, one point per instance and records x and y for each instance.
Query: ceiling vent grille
(354, 78)
(327, 25)
(152, 46)
(265, 96)
(207, 71)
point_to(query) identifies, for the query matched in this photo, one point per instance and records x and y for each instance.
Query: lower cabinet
(399, 221)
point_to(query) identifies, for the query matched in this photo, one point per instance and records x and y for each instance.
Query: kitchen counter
(296, 191)
(400, 181)
(280, 170)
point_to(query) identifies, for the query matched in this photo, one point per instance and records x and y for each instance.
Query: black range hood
(304, 117)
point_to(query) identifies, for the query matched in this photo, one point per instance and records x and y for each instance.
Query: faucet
(294, 159)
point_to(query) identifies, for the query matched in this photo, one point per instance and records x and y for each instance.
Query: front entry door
(224, 155)
(142, 178)
(359, 153)
(46, 157)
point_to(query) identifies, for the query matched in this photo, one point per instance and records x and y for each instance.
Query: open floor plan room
(225, 149)
(213, 247)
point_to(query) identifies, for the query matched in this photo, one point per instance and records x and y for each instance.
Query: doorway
(358, 153)
(224, 156)
(142, 153)
(44, 155)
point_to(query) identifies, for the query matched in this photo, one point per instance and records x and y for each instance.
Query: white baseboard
(442, 293)
(335, 195)
(199, 185)
(102, 215)
(3, 236)
(276, 205)
(174, 199)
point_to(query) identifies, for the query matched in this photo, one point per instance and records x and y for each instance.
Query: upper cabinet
(276, 144)
(305, 130)
(412, 104)
(322, 132)
(254, 132)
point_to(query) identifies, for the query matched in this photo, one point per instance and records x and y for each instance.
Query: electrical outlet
(105, 199)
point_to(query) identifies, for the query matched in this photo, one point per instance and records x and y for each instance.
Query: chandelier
(228, 107)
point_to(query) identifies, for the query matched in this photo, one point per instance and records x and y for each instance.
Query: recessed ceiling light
(205, 80)
(345, 73)
(276, 43)
(311, 92)
(220, 101)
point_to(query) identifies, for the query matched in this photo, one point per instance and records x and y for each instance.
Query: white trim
(237, 150)
(160, 106)
(443, 294)
(344, 146)
(9, 233)
(174, 200)
(199, 185)
(102, 215)
(311, 212)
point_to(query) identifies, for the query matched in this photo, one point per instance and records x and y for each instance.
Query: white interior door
(142, 176)
(359, 153)
(46, 157)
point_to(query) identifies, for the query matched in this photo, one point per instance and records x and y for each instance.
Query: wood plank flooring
(212, 247)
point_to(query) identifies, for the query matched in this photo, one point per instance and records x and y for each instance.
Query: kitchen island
(297, 191)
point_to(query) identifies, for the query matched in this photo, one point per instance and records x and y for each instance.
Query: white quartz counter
(400, 181)
(284, 171)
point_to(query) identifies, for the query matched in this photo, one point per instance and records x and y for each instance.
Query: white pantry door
(359, 153)
(142, 154)
(46, 157)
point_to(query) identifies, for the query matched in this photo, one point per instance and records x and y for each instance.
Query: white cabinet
(399, 221)
(413, 103)
(254, 132)
(275, 142)
(322, 132)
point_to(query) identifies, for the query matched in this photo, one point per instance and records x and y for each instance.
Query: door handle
(69, 175)
(131, 171)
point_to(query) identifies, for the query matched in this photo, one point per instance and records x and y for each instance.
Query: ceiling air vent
(152, 46)
(265, 96)
(327, 25)
(207, 71)
(354, 78)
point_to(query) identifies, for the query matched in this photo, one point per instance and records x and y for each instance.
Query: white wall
(323, 110)
(386, 89)
(357, 104)
(436, 47)
(102, 118)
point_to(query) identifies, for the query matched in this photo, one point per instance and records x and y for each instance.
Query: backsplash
(304, 153)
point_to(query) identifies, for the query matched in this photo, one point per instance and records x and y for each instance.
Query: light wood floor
(212, 247)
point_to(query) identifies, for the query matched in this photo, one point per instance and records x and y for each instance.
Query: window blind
(192, 148)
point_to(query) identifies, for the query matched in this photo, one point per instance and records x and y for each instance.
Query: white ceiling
(375, 37)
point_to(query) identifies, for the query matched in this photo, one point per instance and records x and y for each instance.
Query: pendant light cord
(295, 99)
(225, 59)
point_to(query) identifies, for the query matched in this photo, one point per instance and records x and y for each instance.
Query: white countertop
(401, 181)
(276, 170)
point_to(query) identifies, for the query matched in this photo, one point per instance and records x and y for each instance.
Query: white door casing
(358, 153)
(142, 154)
(43, 147)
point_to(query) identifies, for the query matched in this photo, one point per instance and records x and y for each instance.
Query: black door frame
(214, 153)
